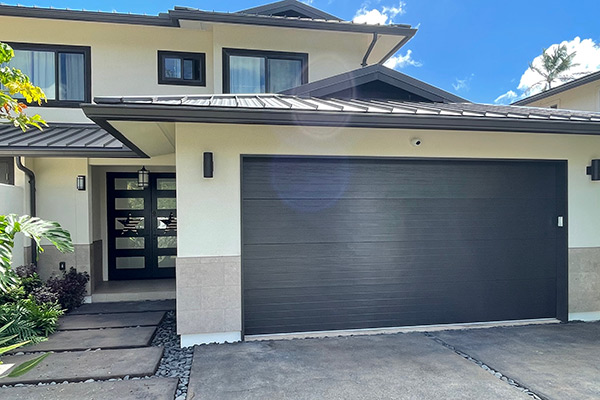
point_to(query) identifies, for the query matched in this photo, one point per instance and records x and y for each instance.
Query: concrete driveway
(553, 361)
(403, 366)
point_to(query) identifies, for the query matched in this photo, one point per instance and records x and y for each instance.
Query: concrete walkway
(98, 347)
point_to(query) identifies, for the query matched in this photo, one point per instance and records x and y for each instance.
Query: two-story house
(267, 161)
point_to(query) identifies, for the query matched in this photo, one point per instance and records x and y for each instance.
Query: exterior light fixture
(209, 165)
(80, 182)
(594, 170)
(143, 178)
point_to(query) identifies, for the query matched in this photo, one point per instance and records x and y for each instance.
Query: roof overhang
(62, 140)
(425, 116)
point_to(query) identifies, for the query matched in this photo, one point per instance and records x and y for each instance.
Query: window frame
(60, 48)
(200, 57)
(10, 179)
(266, 54)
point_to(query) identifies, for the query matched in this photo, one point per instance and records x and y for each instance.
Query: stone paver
(404, 366)
(119, 320)
(557, 361)
(95, 338)
(84, 365)
(142, 389)
(125, 307)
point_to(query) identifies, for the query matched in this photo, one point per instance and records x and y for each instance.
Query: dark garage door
(335, 243)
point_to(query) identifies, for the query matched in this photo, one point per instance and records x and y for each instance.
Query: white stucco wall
(12, 202)
(209, 209)
(58, 198)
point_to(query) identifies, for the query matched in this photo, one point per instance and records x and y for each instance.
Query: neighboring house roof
(64, 140)
(375, 82)
(276, 109)
(172, 18)
(290, 8)
(559, 89)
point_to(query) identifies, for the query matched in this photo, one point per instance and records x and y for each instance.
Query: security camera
(416, 142)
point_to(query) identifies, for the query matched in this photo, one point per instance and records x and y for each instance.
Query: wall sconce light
(594, 170)
(209, 166)
(80, 182)
(143, 178)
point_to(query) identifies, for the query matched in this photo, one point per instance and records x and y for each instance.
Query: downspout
(369, 50)
(32, 208)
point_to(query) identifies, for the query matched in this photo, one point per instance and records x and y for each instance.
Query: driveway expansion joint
(492, 371)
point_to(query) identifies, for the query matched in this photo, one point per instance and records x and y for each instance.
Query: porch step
(112, 338)
(147, 389)
(125, 307)
(83, 365)
(134, 290)
(112, 320)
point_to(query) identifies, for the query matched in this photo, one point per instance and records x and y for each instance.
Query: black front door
(142, 226)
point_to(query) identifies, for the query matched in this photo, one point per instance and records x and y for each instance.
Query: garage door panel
(357, 243)
(528, 259)
(335, 178)
(438, 307)
(276, 222)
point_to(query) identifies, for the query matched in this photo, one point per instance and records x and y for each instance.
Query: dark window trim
(201, 57)
(10, 179)
(87, 56)
(266, 54)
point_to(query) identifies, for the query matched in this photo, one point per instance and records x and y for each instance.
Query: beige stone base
(209, 295)
(584, 280)
(80, 259)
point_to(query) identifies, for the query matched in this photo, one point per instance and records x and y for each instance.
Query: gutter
(32, 202)
(369, 50)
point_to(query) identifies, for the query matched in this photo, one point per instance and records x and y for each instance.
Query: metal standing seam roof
(278, 109)
(65, 140)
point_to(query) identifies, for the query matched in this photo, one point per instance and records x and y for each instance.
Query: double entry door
(142, 226)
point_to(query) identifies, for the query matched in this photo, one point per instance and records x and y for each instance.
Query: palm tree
(555, 67)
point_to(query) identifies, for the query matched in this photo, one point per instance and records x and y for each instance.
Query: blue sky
(478, 49)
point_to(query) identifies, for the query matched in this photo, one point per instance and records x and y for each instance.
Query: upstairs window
(63, 72)
(253, 71)
(178, 68)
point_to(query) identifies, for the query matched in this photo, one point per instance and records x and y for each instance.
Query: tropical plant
(29, 320)
(23, 367)
(14, 82)
(70, 288)
(32, 227)
(555, 66)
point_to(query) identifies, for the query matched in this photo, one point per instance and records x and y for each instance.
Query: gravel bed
(176, 361)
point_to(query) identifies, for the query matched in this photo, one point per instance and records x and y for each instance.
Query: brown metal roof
(64, 140)
(296, 103)
(278, 109)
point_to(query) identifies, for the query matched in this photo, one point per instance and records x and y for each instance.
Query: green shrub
(29, 321)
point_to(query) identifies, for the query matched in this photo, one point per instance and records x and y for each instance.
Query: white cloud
(506, 98)
(587, 56)
(463, 84)
(309, 2)
(400, 61)
(375, 16)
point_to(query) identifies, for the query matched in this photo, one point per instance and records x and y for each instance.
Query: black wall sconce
(594, 170)
(143, 178)
(209, 165)
(80, 182)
